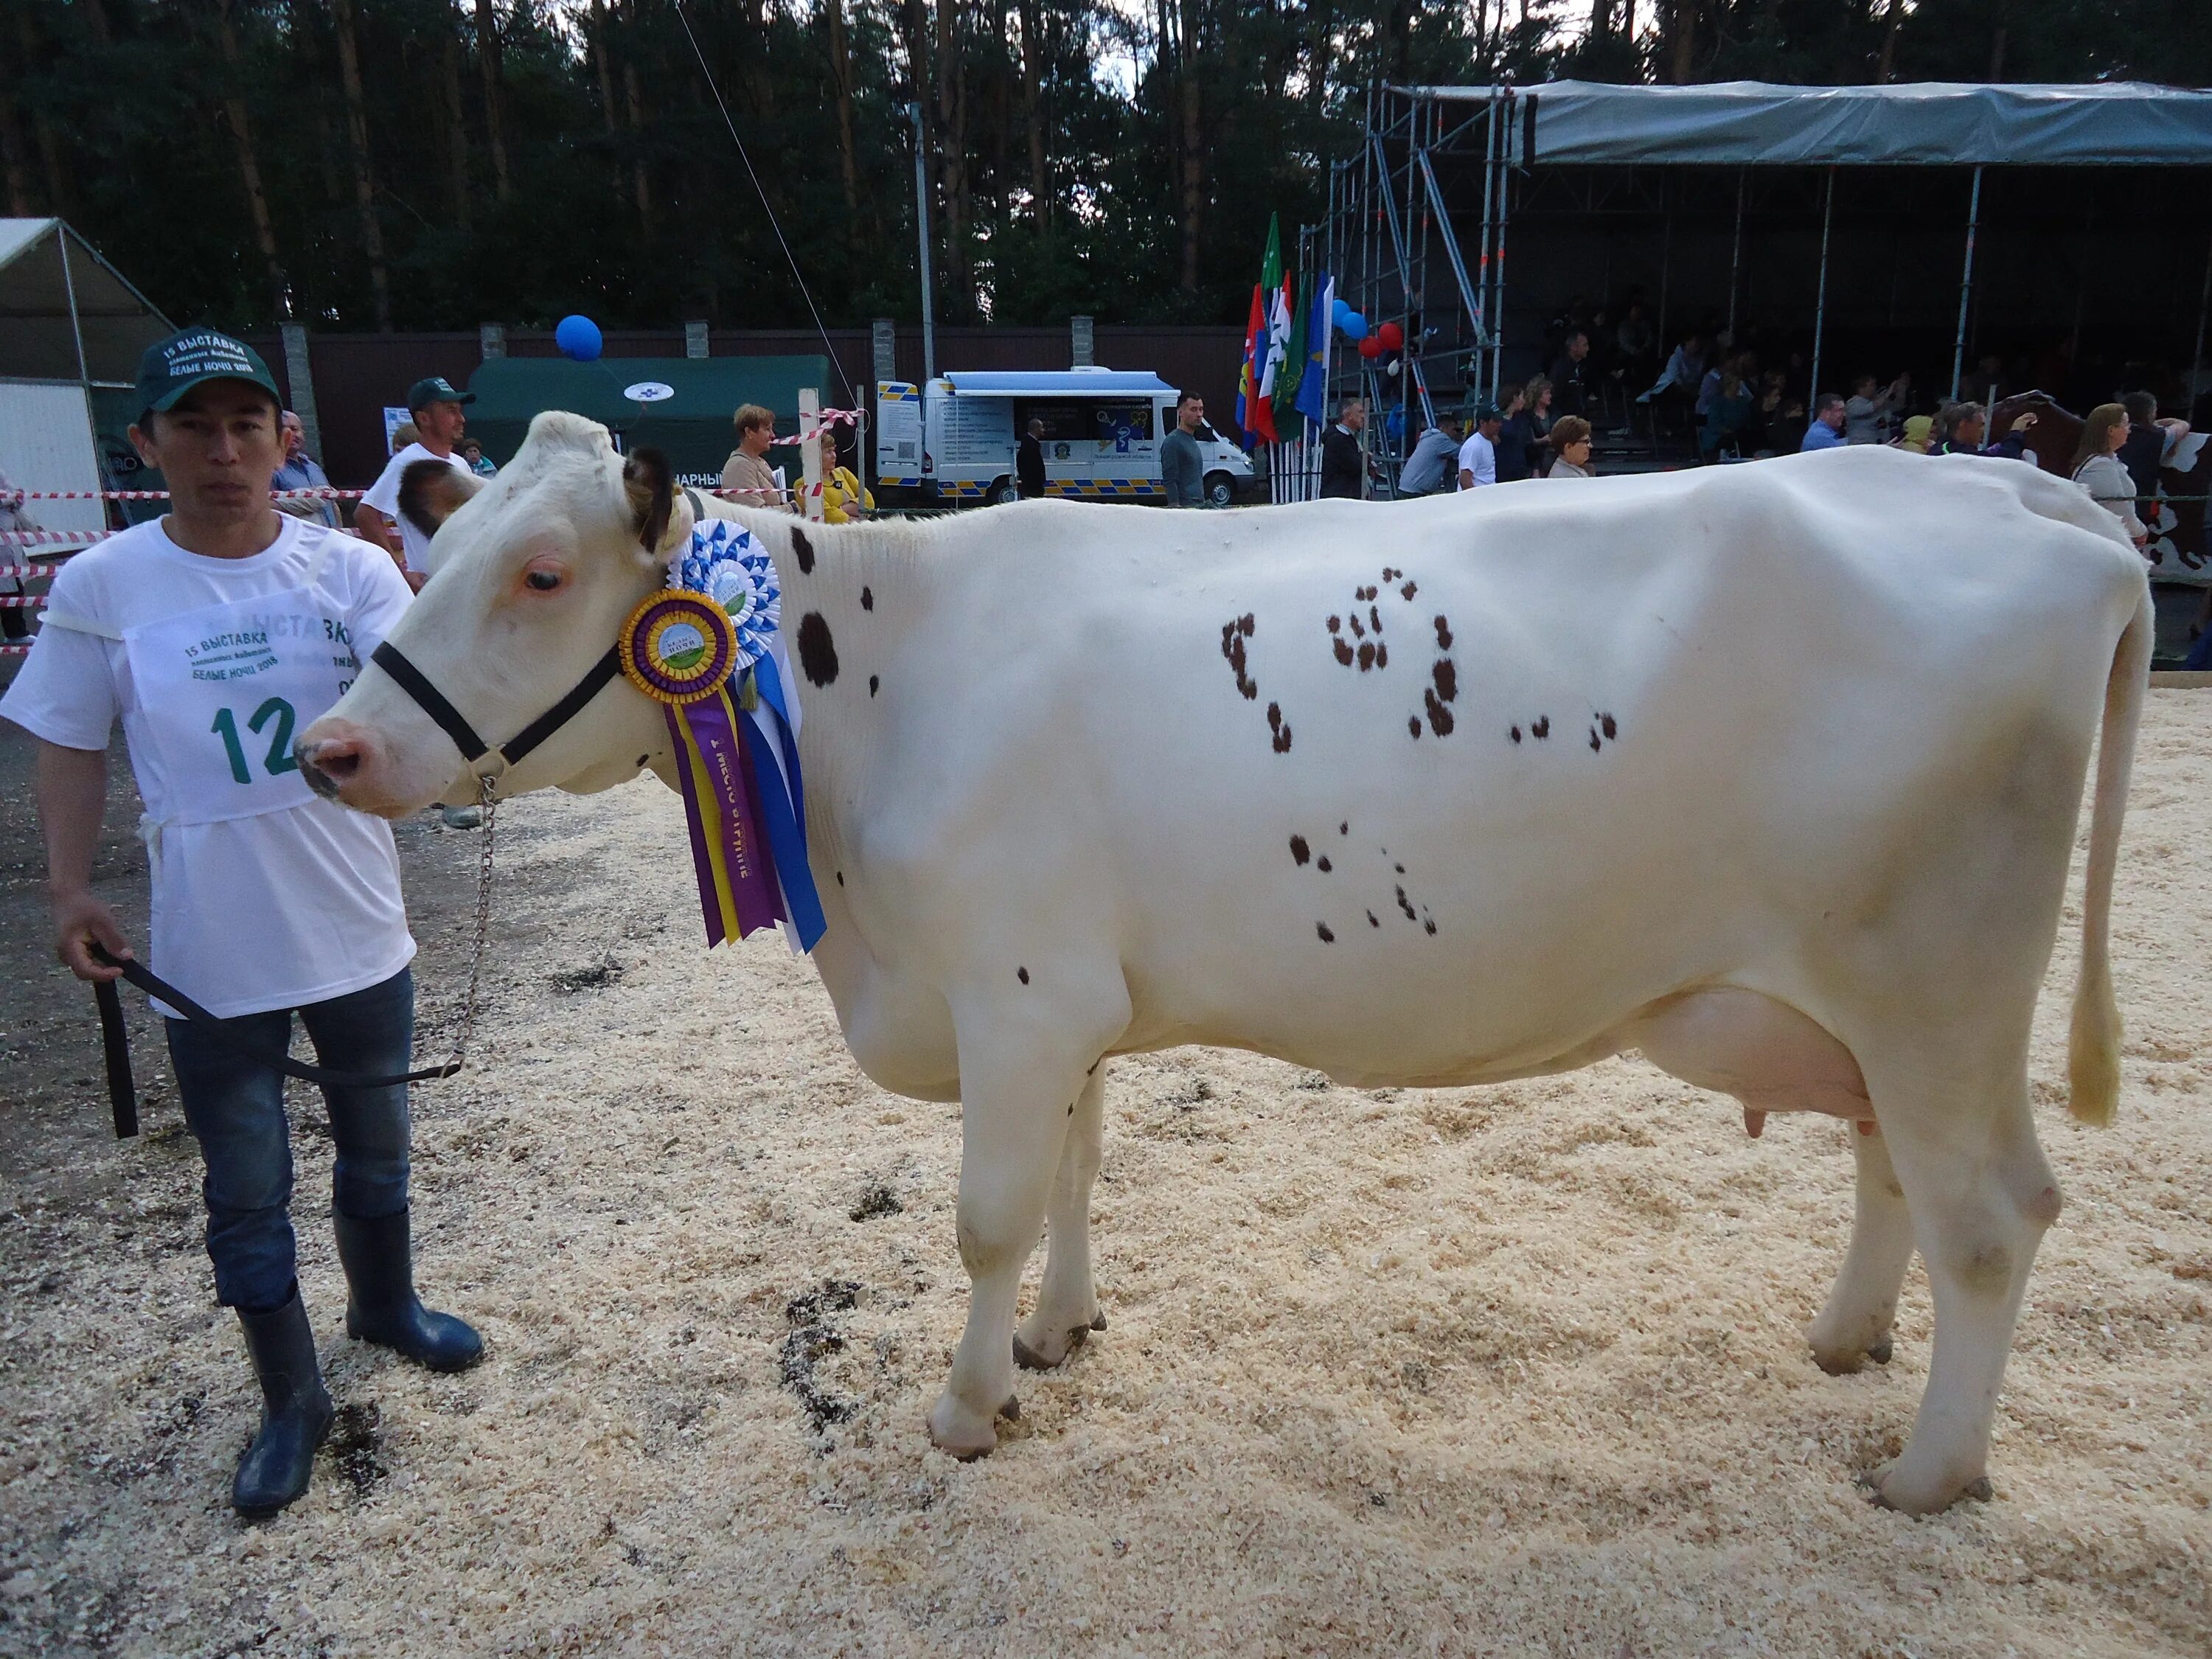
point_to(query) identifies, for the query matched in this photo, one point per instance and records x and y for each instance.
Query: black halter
(412, 680)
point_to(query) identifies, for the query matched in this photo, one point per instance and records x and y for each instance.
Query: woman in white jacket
(2097, 468)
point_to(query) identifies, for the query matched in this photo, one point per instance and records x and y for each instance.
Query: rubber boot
(295, 1413)
(382, 1306)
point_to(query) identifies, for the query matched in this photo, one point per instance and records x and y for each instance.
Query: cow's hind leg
(1980, 1195)
(1066, 1308)
(1855, 1325)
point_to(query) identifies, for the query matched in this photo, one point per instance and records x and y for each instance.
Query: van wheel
(1002, 492)
(1220, 489)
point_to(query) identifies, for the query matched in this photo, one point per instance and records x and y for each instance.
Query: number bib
(223, 691)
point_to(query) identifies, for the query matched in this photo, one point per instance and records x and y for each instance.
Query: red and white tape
(17, 497)
(50, 537)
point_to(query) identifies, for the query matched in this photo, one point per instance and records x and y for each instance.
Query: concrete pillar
(886, 349)
(491, 339)
(299, 375)
(694, 338)
(1080, 342)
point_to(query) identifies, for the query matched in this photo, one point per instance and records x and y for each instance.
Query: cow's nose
(329, 763)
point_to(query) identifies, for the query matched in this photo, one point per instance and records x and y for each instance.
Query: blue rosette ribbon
(737, 739)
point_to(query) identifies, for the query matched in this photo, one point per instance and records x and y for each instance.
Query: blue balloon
(578, 338)
(1354, 325)
(1339, 310)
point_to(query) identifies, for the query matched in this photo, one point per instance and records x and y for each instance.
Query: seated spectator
(1684, 373)
(1571, 442)
(1771, 427)
(2097, 468)
(745, 476)
(472, 452)
(1919, 433)
(1867, 412)
(1570, 392)
(845, 499)
(2150, 441)
(1826, 429)
(1725, 412)
(1428, 470)
(1636, 340)
(301, 470)
(1965, 426)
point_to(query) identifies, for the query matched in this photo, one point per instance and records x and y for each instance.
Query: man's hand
(79, 920)
(2021, 421)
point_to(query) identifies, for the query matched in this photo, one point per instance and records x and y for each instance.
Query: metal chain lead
(489, 806)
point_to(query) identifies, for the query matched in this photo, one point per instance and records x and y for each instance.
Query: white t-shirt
(384, 497)
(1478, 455)
(276, 910)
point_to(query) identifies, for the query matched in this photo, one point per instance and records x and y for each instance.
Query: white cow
(1770, 772)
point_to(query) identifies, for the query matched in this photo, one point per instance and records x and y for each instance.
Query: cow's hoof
(1843, 1360)
(962, 1433)
(1045, 1350)
(1890, 1487)
(1880, 1351)
(1098, 1320)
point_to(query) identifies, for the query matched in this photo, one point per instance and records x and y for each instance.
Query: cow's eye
(544, 581)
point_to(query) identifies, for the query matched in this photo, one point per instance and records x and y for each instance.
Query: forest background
(367, 164)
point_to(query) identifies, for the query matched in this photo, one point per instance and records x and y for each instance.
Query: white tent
(71, 327)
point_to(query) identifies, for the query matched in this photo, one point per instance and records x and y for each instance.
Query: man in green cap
(214, 634)
(434, 407)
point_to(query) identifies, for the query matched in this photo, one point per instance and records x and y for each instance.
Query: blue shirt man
(1826, 430)
(301, 470)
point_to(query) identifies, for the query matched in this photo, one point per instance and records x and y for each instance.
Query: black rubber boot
(296, 1412)
(383, 1309)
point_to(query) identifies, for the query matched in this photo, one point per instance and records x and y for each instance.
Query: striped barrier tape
(26, 572)
(17, 497)
(50, 537)
(22, 601)
(14, 650)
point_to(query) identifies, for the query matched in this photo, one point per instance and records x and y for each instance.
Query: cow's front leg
(1855, 1325)
(1066, 1308)
(1021, 1069)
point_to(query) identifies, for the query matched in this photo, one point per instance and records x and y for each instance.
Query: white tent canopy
(66, 314)
(1751, 123)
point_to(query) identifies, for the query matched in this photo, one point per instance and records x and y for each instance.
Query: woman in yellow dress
(844, 500)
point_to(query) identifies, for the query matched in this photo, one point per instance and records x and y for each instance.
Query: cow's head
(533, 574)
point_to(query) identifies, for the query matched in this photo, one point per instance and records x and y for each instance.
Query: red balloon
(1392, 336)
(1371, 346)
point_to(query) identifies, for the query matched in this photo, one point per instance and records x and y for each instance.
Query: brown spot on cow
(1343, 650)
(1299, 851)
(1447, 679)
(1375, 617)
(841, 877)
(641, 759)
(1381, 654)
(1605, 724)
(817, 652)
(1326, 937)
(1336, 624)
(1023, 974)
(1429, 925)
(1233, 636)
(1406, 905)
(1443, 635)
(1596, 742)
(1245, 625)
(1374, 920)
(1358, 632)
(1345, 828)
(1440, 718)
(804, 548)
(1366, 655)
(867, 598)
(874, 683)
(1516, 733)
(1281, 727)
(1541, 728)
(1413, 725)
(1409, 590)
(1322, 863)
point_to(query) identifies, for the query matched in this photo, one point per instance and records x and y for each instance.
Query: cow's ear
(650, 487)
(429, 491)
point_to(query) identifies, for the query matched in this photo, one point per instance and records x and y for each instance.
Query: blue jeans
(236, 1109)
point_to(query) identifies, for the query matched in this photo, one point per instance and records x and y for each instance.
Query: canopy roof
(43, 263)
(1057, 383)
(1751, 123)
(692, 426)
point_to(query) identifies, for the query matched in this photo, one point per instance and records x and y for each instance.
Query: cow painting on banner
(1770, 772)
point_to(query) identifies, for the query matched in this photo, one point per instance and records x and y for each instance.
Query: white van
(955, 439)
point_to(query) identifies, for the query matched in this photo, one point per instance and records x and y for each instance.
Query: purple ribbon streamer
(744, 849)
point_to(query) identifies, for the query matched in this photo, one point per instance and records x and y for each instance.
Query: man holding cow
(214, 634)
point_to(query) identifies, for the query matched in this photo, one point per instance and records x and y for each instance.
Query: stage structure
(1877, 227)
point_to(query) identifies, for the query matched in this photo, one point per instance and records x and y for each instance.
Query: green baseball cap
(172, 366)
(435, 389)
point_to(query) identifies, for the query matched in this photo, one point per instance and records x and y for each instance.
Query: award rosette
(706, 649)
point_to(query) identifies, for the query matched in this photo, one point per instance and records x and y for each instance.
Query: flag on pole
(1248, 378)
(1275, 285)
(1311, 399)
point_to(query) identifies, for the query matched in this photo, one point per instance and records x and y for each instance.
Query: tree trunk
(1887, 71)
(1193, 151)
(456, 124)
(952, 153)
(640, 174)
(841, 71)
(1628, 21)
(249, 166)
(1033, 110)
(1682, 42)
(492, 61)
(364, 180)
(1318, 57)
(15, 165)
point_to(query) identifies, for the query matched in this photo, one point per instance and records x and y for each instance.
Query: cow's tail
(2094, 1052)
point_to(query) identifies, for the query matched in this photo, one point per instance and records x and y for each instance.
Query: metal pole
(2203, 305)
(1820, 306)
(1966, 284)
(921, 228)
(1498, 269)
(1735, 256)
(1482, 250)
(69, 288)
(1666, 259)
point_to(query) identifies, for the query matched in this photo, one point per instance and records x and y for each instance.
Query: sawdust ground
(1500, 1371)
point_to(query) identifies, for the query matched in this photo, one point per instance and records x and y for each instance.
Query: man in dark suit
(1343, 462)
(1029, 461)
